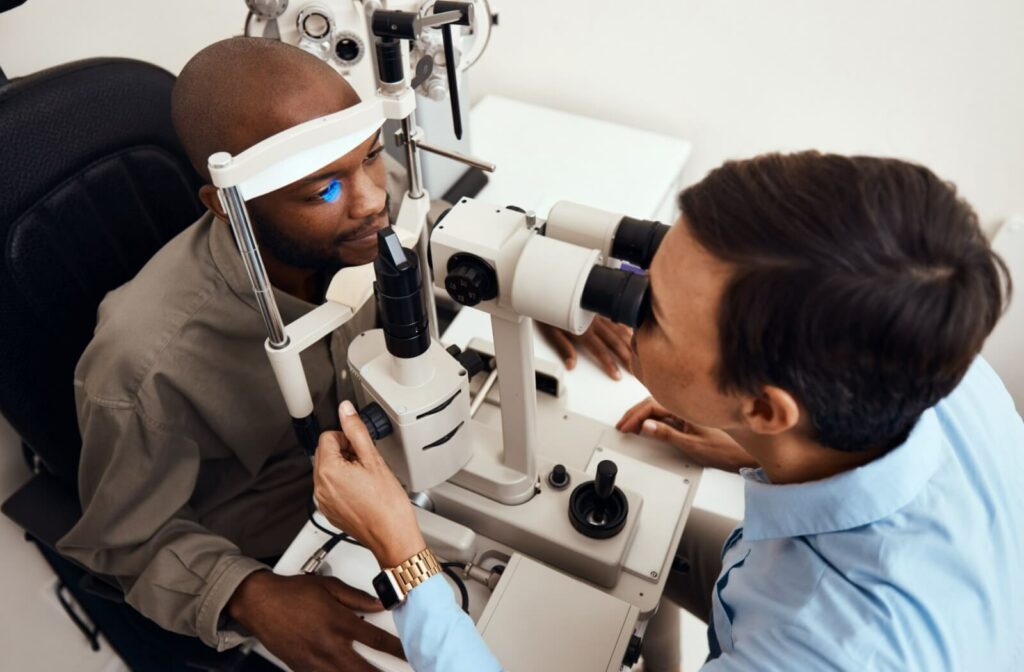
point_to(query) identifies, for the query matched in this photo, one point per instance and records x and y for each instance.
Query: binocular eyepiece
(637, 240)
(619, 295)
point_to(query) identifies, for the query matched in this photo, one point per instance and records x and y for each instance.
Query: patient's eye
(330, 193)
(374, 154)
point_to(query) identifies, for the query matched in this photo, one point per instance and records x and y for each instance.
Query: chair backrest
(93, 182)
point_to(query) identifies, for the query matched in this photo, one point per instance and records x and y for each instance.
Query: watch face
(386, 591)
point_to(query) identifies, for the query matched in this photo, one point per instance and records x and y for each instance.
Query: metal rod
(455, 156)
(427, 278)
(412, 165)
(481, 396)
(241, 226)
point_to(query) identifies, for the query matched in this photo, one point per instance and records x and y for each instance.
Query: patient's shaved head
(237, 92)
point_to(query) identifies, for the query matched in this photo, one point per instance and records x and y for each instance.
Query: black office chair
(94, 182)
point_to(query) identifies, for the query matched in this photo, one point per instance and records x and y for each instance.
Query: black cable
(335, 536)
(449, 569)
(311, 510)
(338, 537)
(332, 542)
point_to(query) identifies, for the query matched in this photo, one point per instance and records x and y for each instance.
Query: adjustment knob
(559, 477)
(604, 482)
(633, 650)
(347, 49)
(597, 508)
(470, 280)
(376, 421)
(470, 360)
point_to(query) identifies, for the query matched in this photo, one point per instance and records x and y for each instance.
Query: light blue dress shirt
(914, 561)
(437, 635)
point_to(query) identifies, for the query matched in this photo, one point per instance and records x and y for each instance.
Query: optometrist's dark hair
(862, 286)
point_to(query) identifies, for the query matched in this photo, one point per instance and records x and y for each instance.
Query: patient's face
(330, 218)
(676, 351)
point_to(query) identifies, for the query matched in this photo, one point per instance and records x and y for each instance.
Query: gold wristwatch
(393, 584)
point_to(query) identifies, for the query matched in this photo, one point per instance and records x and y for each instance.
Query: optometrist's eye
(330, 193)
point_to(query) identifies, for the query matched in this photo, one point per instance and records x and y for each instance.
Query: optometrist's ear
(208, 195)
(774, 411)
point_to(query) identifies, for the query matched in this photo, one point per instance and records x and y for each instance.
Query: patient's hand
(357, 492)
(606, 341)
(308, 622)
(703, 445)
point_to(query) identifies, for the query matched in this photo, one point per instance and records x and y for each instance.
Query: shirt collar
(228, 261)
(850, 499)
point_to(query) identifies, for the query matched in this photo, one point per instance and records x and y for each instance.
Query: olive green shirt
(190, 468)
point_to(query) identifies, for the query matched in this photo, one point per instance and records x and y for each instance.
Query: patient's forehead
(240, 91)
(306, 98)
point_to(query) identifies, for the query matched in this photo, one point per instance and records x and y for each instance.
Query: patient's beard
(297, 253)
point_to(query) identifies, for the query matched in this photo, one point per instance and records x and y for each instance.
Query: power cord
(317, 559)
(449, 569)
(313, 563)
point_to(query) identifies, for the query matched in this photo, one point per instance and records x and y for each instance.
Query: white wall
(937, 81)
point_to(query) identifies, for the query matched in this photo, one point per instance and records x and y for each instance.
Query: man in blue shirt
(818, 317)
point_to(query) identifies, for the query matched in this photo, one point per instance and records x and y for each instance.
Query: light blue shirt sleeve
(437, 635)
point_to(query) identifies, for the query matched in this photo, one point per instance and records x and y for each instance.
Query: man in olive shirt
(190, 469)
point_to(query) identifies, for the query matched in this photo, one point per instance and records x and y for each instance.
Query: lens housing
(399, 302)
(619, 295)
(637, 240)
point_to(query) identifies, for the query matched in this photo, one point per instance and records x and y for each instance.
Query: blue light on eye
(332, 192)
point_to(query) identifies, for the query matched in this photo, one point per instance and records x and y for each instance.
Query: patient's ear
(774, 411)
(208, 195)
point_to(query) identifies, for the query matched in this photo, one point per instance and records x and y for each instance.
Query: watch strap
(415, 570)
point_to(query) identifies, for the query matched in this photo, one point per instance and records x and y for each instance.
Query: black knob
(376, 421)
(604, 483)
(470, 280)
(466, 284)
(633, 650)
(559, 477)
(597, 508)
(470, 360)
(347, 49)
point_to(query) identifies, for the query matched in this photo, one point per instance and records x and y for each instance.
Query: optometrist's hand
(308, 621)
(606, 341)
(358, 493)
(704, 446)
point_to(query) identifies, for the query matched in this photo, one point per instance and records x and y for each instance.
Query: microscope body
(495, 478)
(578, 513)
(427, 403)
